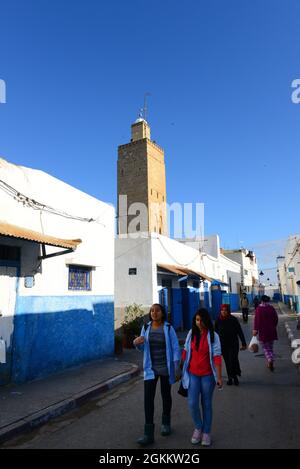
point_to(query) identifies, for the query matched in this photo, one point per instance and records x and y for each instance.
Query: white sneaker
(206, 440)
(196, 437)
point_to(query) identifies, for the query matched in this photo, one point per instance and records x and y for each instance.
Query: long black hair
(163, 312)
(207, 322)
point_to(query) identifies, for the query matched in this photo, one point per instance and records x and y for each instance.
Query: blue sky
(219, 73)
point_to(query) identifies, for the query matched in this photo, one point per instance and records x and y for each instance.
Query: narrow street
(261, 413)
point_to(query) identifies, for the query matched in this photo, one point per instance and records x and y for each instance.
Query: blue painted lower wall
(234, 302)
(54, 333)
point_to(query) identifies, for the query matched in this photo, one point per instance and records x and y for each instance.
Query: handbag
(182, 391)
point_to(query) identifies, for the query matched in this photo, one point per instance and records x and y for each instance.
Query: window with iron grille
(80, 278)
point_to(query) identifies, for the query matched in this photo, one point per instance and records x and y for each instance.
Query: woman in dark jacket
(229, 330)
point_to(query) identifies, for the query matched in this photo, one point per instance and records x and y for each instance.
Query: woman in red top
(201, 371)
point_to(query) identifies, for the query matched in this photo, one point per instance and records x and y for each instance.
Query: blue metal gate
(191, 303)
(216, 299)
(163, 298)
(176, 308)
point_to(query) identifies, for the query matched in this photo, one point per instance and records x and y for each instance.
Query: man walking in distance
(245, 307)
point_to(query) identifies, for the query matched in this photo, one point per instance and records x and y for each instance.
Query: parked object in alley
(265, 326)
(230, 332)
(158, 341)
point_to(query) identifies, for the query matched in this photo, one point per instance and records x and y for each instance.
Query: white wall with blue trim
(51, 326)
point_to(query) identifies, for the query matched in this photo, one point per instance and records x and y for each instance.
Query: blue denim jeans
(201, 386)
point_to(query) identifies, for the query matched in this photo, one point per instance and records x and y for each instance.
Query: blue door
(216, 299)
(176, 308)
(163, 298)
(206, 297)
(190, 303)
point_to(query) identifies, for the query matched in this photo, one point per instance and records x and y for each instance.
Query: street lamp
(261, 273)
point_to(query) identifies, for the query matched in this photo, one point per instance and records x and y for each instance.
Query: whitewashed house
(289, 273)
(56, 275)
(179, 274)
(249, 270)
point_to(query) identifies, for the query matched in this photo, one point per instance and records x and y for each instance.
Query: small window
(196, 284)
(132, 271)
(80, 278)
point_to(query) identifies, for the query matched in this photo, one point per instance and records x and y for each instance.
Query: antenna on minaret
(145, 109)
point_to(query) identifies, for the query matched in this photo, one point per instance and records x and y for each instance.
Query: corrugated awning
(172, 268)
(183, 271)
(23, 233)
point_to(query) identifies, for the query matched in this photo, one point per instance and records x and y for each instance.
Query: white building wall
(145, 253)
(289, 278)
(129, 289)
(249, 268)
(97, 247)
(231, 269)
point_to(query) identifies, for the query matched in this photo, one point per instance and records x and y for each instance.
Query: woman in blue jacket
(158, 341)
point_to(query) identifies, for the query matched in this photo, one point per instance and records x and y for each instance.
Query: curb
(291, 338)
(39, 418)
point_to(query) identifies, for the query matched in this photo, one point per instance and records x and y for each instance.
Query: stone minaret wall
(142, 178)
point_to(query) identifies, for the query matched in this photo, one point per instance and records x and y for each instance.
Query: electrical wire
(29, 202)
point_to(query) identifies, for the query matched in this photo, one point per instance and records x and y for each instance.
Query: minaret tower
(142, 178)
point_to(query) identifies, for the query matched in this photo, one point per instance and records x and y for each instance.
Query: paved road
(263, 412)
